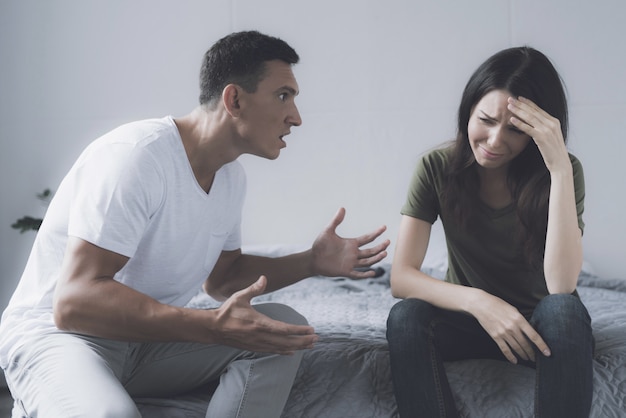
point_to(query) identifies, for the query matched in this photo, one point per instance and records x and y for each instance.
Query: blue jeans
(421, 337)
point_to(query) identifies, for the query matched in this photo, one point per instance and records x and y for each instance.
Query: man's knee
(126, 410)
(64, 375)
(282, 313)
(118, 409)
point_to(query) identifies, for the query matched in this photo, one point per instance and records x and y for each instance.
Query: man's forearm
(108, 309)
(246, 269)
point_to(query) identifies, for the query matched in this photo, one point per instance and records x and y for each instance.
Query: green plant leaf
(27, 223)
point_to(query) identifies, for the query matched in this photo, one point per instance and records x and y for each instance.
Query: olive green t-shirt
(487, 254)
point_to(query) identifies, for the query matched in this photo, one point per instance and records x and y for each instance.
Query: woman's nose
(495, 137)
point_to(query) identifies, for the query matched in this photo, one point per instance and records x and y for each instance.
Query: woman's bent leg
(564, 382)
(419, 379)
(421, 337)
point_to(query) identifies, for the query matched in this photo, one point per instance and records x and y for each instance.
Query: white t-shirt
(132, 192)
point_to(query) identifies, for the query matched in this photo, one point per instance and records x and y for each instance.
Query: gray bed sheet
(347, 373)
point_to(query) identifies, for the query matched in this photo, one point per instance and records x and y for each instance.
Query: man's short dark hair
(240, 58)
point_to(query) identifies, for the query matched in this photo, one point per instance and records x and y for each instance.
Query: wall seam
(511, 22)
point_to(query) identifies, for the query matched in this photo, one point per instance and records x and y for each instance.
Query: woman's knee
(561, 308)
(562, 316)
(409, 316)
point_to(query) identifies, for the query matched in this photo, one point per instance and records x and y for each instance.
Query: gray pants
(68, 375)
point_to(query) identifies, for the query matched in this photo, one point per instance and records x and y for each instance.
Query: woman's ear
(230, 98)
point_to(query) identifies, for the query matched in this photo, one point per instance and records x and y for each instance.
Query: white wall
(380, 83)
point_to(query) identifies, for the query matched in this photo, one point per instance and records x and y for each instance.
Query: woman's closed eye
(516, 130)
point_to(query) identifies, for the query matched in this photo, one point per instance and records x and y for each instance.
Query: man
(149, 213)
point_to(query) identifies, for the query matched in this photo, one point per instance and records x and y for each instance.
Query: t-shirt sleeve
(579, 190)
(422, 200)
(233, 242)
(115, 194)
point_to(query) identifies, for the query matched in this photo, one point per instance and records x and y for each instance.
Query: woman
(510, 198)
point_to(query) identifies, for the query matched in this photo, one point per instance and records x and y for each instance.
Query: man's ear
(231, 96)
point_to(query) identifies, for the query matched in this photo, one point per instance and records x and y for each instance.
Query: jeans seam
(434, 363)
(244, 396)
(537, 379)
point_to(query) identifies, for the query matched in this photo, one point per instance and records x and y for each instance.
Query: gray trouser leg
(76, 376)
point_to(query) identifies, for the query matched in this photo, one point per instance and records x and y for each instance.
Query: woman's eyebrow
(487, 116)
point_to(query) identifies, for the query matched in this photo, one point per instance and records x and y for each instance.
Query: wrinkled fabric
(347, 373)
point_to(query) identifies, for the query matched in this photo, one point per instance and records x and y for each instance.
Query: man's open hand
(240, 325)
(336, 256)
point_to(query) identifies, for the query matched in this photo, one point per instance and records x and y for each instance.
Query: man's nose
(294, 118)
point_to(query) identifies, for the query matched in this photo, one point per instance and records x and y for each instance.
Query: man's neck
(205, 137)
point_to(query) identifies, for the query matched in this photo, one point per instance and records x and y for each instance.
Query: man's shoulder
(234, 172)
(165, 122)
(139, 132)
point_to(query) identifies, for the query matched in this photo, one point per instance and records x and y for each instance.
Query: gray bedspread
(347, 373)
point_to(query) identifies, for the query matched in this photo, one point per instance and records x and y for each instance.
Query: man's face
(268, 114)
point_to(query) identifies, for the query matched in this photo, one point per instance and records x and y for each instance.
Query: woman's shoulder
(437, 157)
(577, 166)
(574, 159)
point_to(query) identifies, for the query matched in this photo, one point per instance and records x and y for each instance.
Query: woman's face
(495, 142)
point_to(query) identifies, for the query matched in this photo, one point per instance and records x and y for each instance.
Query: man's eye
(282, 96)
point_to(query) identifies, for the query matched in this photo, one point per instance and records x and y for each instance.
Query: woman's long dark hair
(522, 71)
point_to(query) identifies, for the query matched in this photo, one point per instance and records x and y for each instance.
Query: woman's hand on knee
(509, 329)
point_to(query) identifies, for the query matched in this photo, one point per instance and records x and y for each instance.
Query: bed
(347, 373)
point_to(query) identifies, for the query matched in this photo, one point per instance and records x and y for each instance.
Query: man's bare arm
(330, 255)
(89, 301)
